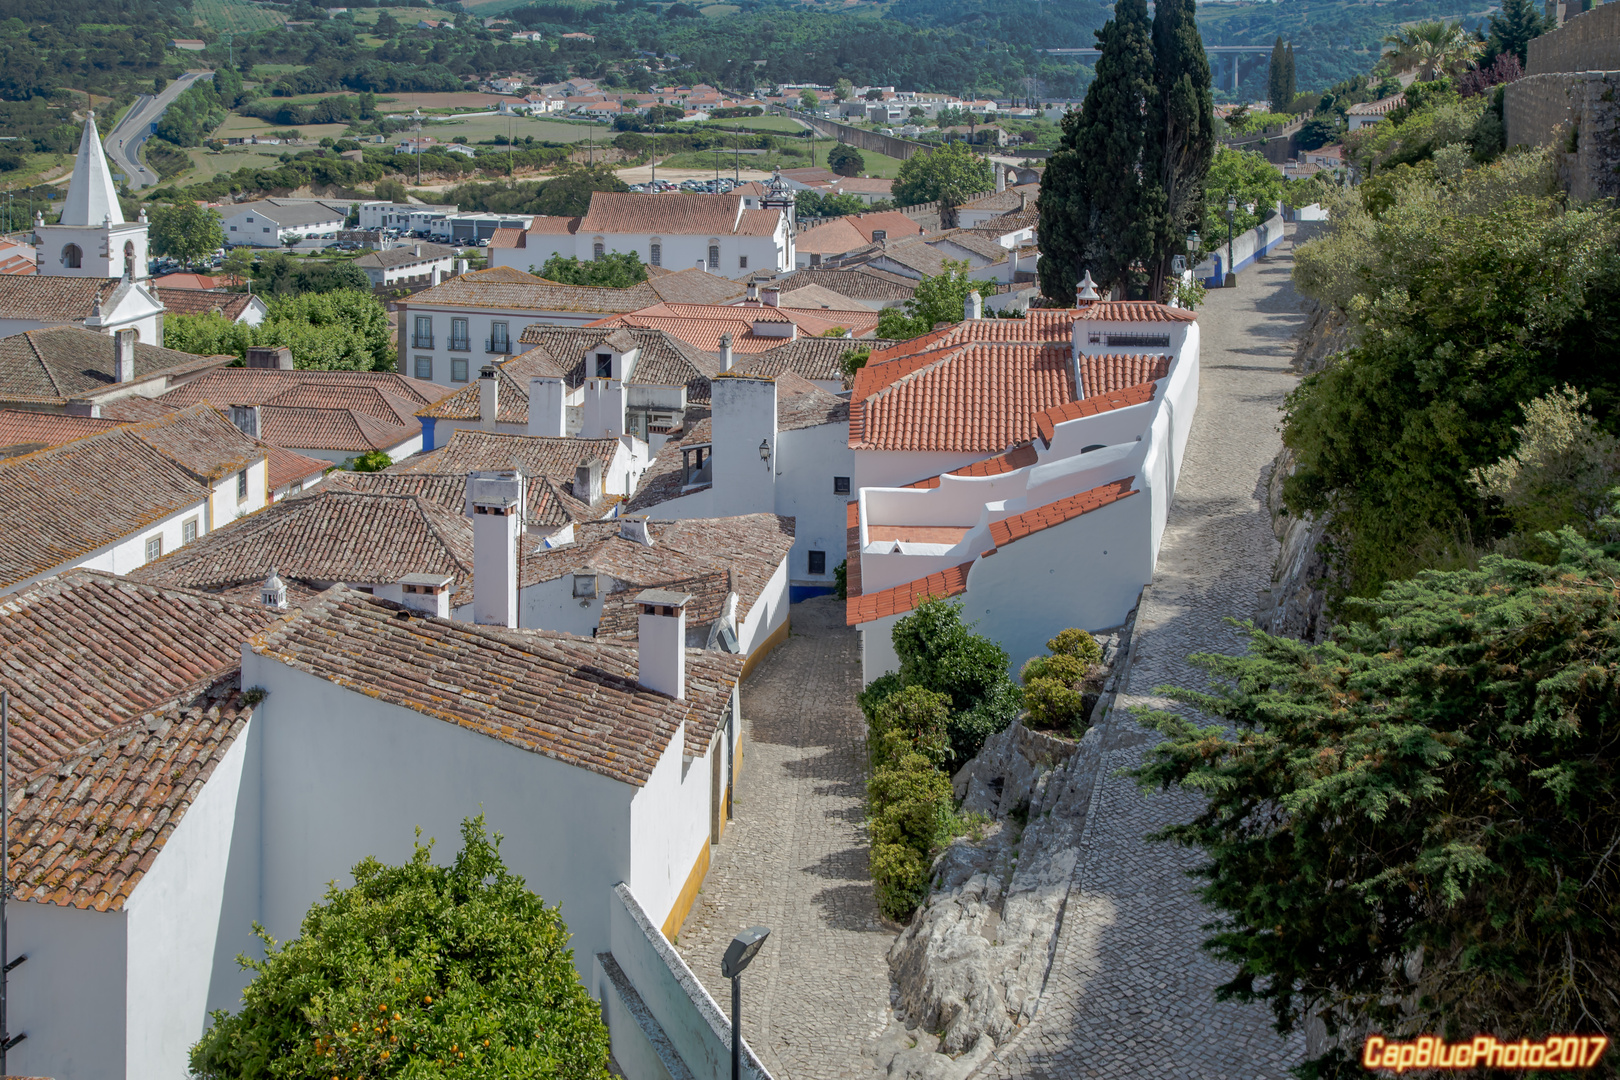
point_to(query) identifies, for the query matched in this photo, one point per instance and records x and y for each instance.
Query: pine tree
(1185, 138)
(1106, 207)
(1277, 75)
(1512, 30)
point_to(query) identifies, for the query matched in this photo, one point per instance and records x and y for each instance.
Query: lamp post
(1231, 278)
(739, 954)
(765, 452)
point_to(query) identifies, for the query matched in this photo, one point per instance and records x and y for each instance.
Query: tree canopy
(185, 231)
(344, 330)
(416, 971)
(1412, 828)
(952, 174)
(617, 270)
(938, 298)
(845, 160)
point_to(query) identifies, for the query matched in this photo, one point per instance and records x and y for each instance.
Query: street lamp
(739, 954)
(765, 452)
(1231, 207)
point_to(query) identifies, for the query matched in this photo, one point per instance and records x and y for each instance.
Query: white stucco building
(267, 222)
(676, 231)
(1097, 405)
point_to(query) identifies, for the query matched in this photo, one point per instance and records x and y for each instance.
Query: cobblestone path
(795, 859)
(1130, 992)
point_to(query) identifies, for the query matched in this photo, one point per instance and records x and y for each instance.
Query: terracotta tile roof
(664, 479)
(571, 699)
(22, 427)
(47, 298)
(87, 828)
(405, 255)
(53, 365)
(1004, 201)
(694, 286)
(678, 214)
(551, 502)
(1019, 457)
(982, 396)
(702, 325)
(288, 466)
(256, 386)
(1106, 373)
(134, 408)
(749, 548)
(665, 360)
(550, 225)
(508, 288)
(64, 503)
(860, 283)
(1131, 311)
(1012, 221)
(373, 402)
(532, 455)
(86, 652)
(340, 430)
(816, 358)
(323, 536)
(847, 233)
(1014, 528)
(817, 298)
(806, 407)
(201, 301)
(903, 598)
(512, 401)
(812, 174)
(970, 240)
(202, 282)
(506, 238)
(621, 620)
(1047, 420)
(913, 254)
(201, 441)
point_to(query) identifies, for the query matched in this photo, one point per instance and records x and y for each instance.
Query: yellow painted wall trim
(689, 894)
(779, 635)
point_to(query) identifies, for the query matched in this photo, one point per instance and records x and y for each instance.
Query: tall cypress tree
(1277, 75)
(1184, 143)
(1103, 210)
(1293, 84)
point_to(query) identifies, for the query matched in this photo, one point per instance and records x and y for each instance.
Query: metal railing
(460, 345)
(419, 341)
(498, 345)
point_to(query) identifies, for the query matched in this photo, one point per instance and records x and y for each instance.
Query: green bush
(1076, 643)
(909, 814)
(918, 719)
(940, 652)
(1055, 686)
(417, 971)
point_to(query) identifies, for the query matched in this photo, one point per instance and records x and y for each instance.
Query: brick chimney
(427, 594)
(661, 641)
(495, 504)
(124, 356)
(489, 398)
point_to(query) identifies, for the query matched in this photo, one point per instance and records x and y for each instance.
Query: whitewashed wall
(768, 613)
(551, 605)
(678, 252)
(669, 826)
(810, 458)
(69, 995)
(223, 505)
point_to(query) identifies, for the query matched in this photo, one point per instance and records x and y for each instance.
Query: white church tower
(92, 240)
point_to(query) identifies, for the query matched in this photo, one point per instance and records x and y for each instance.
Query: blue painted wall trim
(796, 593)
(427, 433)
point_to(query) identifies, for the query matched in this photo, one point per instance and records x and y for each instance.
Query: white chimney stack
(703, 266)
(124, 356)
(753, 292)
(661, 641)
(973, 306)
(427, 594)
(495, 504)
(489, 398)
(634, 528)
(83, 407)
(725, 352)
(772, 296)
(548, 407)
(1085, 291)
(461, 266)
(274, 591)
(1001, 177)
(603, 413)
(246, 419)
(437, 276)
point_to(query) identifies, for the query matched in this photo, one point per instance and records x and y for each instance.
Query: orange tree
(417, 971)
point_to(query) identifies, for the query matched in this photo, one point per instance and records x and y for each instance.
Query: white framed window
(241, 486)
(154, 547)
(655, 254)
(424, 368)
(714, 256)
(458, 369)
(188, 531)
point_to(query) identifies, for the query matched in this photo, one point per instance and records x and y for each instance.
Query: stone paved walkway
(1131, 992)
(795, 859)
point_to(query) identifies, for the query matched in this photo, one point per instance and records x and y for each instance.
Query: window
(818, 562)
(424, 368)
(655, 254)
(742, 262)
(815, 260)
(233, 228)
(585, 586)
(840, 485)
(241, 485)
(604, 365)
(714, 256)
(458, 336)
(250, 219)
(188, 531)
(879, 235)
(500, 340)
(458, 369)
(72, 257)
(597, 250)
(154, 548)
(267, 228)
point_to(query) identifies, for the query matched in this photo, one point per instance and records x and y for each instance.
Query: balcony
(422, 341)
(496, 345)
(460, 345)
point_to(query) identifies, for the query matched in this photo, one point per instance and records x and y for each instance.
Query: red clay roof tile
(903, 598)
(1014, 528)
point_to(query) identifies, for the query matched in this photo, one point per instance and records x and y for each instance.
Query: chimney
(602, 416)
(436, 276)
(274, 357)
(1023, 201)
(772, 296)
(489, 398)
(725, 352)
(548, 407)
(246, 419)
(461, 266)
(588, 481)
(661, 641)
(1001, 177)
(753, 292)
(416, 250)
(1085, 291)
(744, 440)
(426, 594)
(124, 356)
(495, 504)
(702, 266)
(973, 306)
(634, 529)
(274, 591)
(83, 407)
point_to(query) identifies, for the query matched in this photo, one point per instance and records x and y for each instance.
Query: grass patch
(236, 15)
(479, 128)
(33, 169)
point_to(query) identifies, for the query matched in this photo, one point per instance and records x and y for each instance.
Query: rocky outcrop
(1294, 604)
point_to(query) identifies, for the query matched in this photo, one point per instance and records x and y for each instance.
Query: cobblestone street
(794, 859)
(1131, 994)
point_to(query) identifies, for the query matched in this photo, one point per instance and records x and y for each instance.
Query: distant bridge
(1234, 55)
